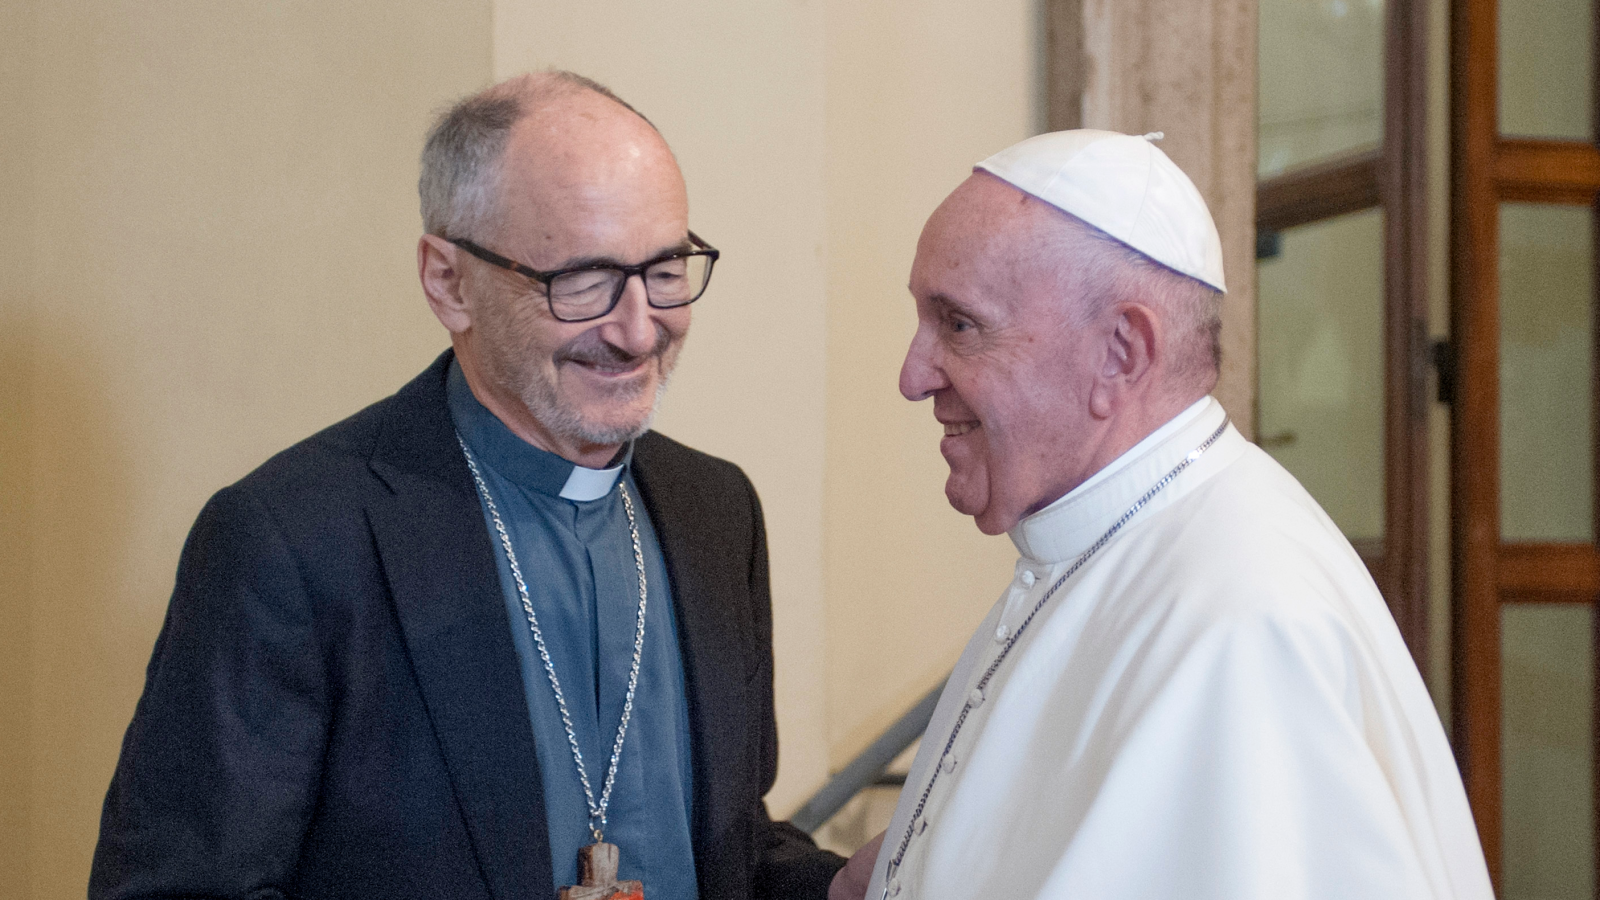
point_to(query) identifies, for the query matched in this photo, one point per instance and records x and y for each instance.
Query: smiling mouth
(609, 365)
(956, 429)
(613, 368)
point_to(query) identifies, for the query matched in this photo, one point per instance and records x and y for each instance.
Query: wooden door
(1343, 146)
(1525, 569)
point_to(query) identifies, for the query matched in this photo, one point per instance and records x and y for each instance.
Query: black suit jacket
(334, 710)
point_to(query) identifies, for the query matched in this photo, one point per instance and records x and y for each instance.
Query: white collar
(589, 484)
(1068, 526)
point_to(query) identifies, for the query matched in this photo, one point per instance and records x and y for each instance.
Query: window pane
(1320, 352)
(1547, 68)
(1546, 373)
(1320, 80)
(1547, 685)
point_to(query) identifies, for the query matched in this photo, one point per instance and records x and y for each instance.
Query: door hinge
(1444, 369)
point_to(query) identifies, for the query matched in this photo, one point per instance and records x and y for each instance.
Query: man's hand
(851, 881)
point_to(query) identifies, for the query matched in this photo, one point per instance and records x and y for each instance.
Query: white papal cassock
(1216, 705)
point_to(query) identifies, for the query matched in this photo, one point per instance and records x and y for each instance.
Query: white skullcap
(1124, 186)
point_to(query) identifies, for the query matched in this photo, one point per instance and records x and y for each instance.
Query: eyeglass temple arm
(701, 244)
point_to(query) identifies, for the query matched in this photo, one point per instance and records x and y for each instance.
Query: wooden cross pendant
(597, 876)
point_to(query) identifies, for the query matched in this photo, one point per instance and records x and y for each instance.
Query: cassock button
(1001, 632)
(975, 699)
(949, 764)
(894, 887)
(1027, 578)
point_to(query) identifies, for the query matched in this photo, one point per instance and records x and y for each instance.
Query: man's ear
(1132, 344)
(438, 268)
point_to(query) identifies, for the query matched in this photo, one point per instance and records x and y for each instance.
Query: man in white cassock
(1191, 687)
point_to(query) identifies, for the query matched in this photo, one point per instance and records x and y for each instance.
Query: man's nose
(920, 376)
(630, 327)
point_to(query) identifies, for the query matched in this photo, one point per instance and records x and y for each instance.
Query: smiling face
(1000, 350)
(583, 181)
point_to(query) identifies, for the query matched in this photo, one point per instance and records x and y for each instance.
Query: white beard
(564, 419)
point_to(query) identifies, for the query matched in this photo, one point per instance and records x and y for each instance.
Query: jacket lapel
(714, 650)
(438, 559)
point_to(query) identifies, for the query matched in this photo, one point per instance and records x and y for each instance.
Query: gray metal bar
(863, 771)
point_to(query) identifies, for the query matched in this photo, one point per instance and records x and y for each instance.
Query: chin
(993, 524)
(961, 497)
(612, 432)
(616, 427)
(595, 420)
(990, 518)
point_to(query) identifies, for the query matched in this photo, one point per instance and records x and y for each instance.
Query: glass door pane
(1547, 68)
(1320, 81)
(1547, 697)
(1320, 353)
(1546, 373)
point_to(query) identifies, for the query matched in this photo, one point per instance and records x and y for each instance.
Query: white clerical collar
(1068, 526)
(590, 484)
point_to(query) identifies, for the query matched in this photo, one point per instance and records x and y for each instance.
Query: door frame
(1487, 572)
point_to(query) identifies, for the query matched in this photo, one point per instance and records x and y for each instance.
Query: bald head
(461, 161)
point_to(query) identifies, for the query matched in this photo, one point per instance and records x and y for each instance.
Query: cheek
(1004, 404)
(533, 336)
(1019, 421)
(675, 321)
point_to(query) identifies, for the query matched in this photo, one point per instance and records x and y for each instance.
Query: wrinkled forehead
(981, 209)
(995, 232)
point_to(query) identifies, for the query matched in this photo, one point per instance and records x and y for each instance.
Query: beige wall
(17, 109)
(218, 261)
(917, 93)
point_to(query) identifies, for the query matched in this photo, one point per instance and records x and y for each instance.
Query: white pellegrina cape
(1217, 705)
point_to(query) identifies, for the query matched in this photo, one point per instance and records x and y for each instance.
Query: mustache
(591, 349)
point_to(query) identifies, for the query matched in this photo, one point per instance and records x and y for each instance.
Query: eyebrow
(946, 303)
(584, 262)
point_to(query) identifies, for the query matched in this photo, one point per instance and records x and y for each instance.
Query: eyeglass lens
(591, 292)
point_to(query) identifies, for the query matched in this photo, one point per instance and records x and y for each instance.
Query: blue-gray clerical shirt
(576, 557)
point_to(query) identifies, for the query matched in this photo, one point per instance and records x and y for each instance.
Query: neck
(1138, 424)
(511, 411)
(1074, 522)
(1121, 433)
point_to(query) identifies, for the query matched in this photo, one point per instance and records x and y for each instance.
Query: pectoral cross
(597, 876)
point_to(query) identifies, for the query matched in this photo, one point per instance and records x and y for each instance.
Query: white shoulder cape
(1217, 705)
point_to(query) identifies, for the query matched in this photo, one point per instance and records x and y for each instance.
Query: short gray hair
(1112, 272)
(461, 158)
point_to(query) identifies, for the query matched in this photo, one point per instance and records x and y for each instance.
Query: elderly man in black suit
(492, 624)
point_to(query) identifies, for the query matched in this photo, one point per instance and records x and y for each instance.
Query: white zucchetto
(1124, 186)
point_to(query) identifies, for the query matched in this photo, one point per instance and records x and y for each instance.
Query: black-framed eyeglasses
(582, 293)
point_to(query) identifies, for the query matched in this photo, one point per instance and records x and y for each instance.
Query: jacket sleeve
(789, 865)
(218, 774)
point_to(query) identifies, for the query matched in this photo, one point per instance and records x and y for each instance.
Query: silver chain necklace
(890, 885)
(597, 811)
